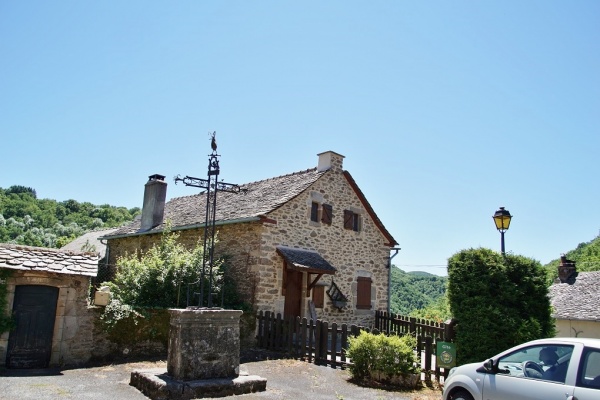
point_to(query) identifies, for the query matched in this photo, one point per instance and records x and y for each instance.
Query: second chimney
(155, 193)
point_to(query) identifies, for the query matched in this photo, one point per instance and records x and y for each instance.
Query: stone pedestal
(203, 359)
(204, 343)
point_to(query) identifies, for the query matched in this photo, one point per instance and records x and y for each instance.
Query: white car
(545, 369)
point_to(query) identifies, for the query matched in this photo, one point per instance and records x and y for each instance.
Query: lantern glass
(502, 219)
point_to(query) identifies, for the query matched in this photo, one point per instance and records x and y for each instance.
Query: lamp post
(502, 220)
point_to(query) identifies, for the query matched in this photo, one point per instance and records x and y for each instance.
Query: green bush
(390, 355)
(498, 301)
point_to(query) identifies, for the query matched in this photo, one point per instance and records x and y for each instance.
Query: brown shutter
(363, 293)
(348, 219)
(314, 212)
(327, 214)
(318, 296)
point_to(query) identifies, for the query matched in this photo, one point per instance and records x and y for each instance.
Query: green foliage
(27, 220)
(586, 257)
(391, 355)
(498, 302)
(414, 291)
(6, 320)
(159, 279)
(438, 310)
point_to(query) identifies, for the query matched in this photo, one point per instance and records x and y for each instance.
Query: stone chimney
(330, 160)
(566, 269)
(155, 193)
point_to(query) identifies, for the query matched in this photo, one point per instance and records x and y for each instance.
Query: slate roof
(306, 260)
(578, 298)
(28, 258)
(93, 239)
(259, 199)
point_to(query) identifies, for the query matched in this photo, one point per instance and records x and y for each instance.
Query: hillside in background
(27, 220)
(412, 291)
(586, 256)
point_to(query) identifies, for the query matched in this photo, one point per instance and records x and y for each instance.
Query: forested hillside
(25, 219)
(586, 256)
(415, 290)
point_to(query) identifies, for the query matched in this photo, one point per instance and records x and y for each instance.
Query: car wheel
(462, 395)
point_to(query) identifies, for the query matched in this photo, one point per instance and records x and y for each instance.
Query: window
(314, 212)
(351, 220)
(589, 374)
(363, 293)
(327, 214)
(547, 362)
(318, 296)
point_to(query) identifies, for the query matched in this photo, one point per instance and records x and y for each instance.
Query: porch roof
(306, 260)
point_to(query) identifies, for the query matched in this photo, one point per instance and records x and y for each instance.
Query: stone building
(303, 244)
(575, 299)
(48, 295)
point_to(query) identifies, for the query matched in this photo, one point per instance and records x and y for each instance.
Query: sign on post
(446, 355)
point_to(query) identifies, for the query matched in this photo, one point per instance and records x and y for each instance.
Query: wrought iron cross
(212, 186)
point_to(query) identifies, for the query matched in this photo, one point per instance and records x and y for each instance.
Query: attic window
(321, 213)
(351, 220)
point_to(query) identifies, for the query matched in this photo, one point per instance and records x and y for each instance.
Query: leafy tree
(25, 219)
(414, 291)
(498, 301)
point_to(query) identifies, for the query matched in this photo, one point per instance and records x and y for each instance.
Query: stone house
(575, 298)
(48, 295)
(302, 244)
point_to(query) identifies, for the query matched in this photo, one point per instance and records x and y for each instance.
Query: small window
(351, 220)
(327, 214)
(314, 212)
(318, 296)
(363, 293)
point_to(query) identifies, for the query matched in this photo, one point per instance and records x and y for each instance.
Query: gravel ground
(286, 379)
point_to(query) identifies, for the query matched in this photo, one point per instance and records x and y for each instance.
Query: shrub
(388, 355)
(499, 302)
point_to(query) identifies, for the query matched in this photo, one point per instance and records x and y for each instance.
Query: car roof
(592, 342)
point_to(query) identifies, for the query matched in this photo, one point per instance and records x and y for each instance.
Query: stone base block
(157, 385)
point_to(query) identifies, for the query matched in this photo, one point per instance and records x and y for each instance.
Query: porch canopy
(308, 261)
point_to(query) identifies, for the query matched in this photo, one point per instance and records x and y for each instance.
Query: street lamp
(502, 220)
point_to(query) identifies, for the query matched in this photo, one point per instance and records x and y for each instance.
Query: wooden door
(34, 311)
(293, 294)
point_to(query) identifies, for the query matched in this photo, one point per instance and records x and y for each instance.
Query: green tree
(498, 301)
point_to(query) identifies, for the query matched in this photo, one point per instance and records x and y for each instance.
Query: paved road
(286, 379)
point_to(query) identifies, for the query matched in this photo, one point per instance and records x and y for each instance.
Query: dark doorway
(293, 293)
(30, 342)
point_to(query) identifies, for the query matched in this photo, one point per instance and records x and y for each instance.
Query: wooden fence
(325, 344)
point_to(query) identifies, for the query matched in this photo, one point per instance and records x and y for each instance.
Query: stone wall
(72, 337)
(353, 254)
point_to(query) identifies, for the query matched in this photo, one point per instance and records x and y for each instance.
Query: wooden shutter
(318, 296)
(348, 219)
(363, 293)
(327, 214)
(314, 212)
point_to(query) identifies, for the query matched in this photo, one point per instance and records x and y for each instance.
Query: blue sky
(444, 110)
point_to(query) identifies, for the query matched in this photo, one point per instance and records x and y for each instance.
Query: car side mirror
(489, 366)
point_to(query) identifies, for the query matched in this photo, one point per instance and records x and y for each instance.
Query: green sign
(446, 355)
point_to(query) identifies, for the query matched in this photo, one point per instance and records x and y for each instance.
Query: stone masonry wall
(72, 337)
(353, 254)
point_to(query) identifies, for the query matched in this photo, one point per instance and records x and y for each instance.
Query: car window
(589, 374)
(548, 362)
